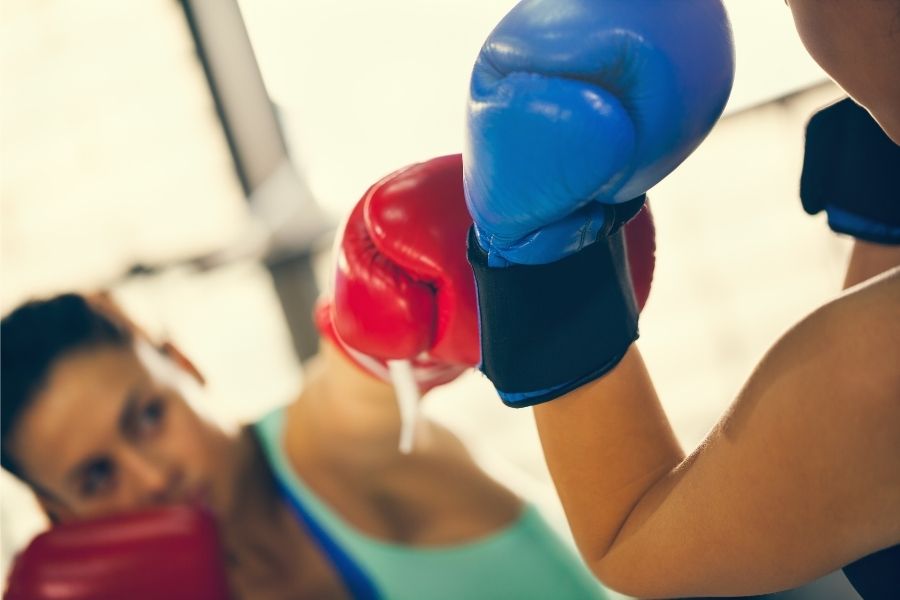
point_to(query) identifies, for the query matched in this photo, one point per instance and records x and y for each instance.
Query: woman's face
(858, 43)
(111, 431)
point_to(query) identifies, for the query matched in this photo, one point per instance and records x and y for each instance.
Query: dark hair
(32, 338)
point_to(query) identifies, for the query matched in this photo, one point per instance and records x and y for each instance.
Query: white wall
(369, 86)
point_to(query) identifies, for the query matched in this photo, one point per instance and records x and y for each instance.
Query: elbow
(618, 575)
(608, 564)
(616, 578)
(634, 577)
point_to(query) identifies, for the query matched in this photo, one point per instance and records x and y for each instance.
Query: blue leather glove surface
(576, 108)
(578, 103)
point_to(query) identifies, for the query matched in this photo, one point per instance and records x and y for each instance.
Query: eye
(98, 477)
(150, 417)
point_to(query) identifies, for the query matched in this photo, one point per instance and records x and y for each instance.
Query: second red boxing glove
(170, 552)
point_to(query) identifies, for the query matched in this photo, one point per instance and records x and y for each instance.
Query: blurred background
(195, 155)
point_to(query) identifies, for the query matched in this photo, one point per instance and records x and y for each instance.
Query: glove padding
(427, 372)
(170, 552)
(578, 103)
(403, 289)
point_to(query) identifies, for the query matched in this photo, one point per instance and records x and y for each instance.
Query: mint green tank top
(526, 560)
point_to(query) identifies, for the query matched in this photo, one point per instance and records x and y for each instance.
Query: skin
(799, 478)
(629, 491)
(348, 423)
(125, 438)
(857, 42)
(802, 475)
(868, 260)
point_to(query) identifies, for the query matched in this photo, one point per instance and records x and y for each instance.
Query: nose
(152, 481)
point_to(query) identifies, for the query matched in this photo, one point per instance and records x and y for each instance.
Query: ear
(171, 350)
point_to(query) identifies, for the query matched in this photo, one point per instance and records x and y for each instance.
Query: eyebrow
(126, 415)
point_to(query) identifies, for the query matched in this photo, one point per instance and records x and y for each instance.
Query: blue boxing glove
(576, 109)
(579, 102)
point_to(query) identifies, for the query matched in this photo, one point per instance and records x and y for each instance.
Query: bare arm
(800, 477)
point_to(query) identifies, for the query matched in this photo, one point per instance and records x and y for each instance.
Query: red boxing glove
(171, 553)
(403, 287)
(427, 372)
(640, 245)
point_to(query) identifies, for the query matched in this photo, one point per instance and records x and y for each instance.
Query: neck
(230, 461)
(343, 410)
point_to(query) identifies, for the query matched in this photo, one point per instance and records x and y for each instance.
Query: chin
(889, 122)
(891, 128)
(886, 113)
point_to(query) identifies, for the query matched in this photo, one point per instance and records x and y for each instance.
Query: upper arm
(868, 259)
(800, 477)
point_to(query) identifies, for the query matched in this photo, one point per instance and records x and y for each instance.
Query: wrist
(560, 239)
(549, 328)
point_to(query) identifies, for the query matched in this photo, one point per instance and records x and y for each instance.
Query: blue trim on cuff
(849, 223)
(525, 399)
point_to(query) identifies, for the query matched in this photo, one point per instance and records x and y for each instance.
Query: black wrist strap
(546, 329)
(850, 164)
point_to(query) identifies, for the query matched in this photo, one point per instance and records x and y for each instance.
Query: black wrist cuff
(546, 329)
(851, 165)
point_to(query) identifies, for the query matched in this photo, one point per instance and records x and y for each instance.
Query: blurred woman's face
(111, 431)
(858, 43)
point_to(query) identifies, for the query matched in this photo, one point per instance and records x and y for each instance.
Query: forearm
(800, 477)
(606, 444)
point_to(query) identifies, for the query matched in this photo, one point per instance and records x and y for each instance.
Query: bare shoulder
(832, 380)
(862, 329)
(847, 345)
(814, 433)
(880, 294)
